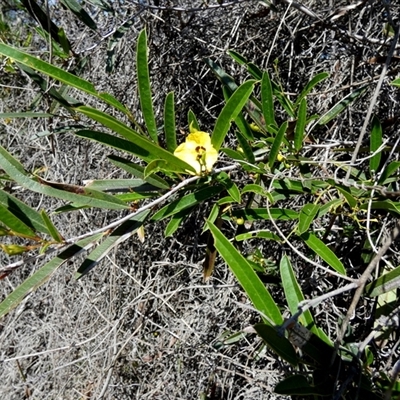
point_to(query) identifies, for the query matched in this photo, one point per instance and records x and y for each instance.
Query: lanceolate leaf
(375, 143)
(322, 250)
(14, 223)
(252, 214)
(43, 274)
(138, 171)
(119, 235)
(68, 193)
(143, 77)
(187, 201)
(146, 149)
(169, 122)
(82, 15)
(59, 74)
(307, 215)
(341, 105)
(293, 293)
(385, 283)
(230, 111)
(267, 100)
(277, 144)
(52, 229)
(244, 272)
(310, 85)
(300, 125)
(26, 214)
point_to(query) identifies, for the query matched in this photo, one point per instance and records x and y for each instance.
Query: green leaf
(28, 114)
(387, 205)
(277, 145)
(300, 125)
(230, 186)
(310, 86)
(187, 201)
(26, 214)
(249, 280)
(384, 284)
(86, 197)
(59, 74)
(341, 105)
(277, 343)
(389, 171)
(119, 235)
(138, 171)
(298, 385)
(307, 216)
(322, 250)
(118, 185)
(253, 214)
(374, 143)
(293, 293)
(247, 150)
(192, 121)
(145, 149)
(14, 223)
(161, 165)
(258, 234)
(396, 82)
(43, 274)
(51, 228)
(169, 122)
(176, 221)
(230, 111)
(267, 100)
(80, 13)
(143, 78)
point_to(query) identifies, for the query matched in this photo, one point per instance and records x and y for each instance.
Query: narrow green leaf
(307, 216)
(176, 221)
(277, 343)
(80, 13)
(163, 166)
(341, 105)
(26, 214)
(389, 171)
(387, 205)
(310, 86)
(86, 197)
(230, 111)
(374, 143)
(145, 149)
(187, 201)
(277, 144)
(14, 223)
(119, 235)
(249, 280)
(51, 228)
(28, 114)
(246, 148)
(322, 250)
(384, 284)
(43, 274)
(258, 234)
(293, 293)
(58, 74)
(143, 78)
(300, 125)
(119, 185)
(241, 60)
(169, 122)
(138, 171)
(230, 186)
(396, 82)
(192, 121)
(267, 100)
(64, 42)
(253, 214)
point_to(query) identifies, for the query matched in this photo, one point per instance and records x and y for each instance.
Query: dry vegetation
(143, 324)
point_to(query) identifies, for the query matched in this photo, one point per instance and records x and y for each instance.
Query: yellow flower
(198, 152)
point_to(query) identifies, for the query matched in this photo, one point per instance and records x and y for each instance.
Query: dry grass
(143, 324)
